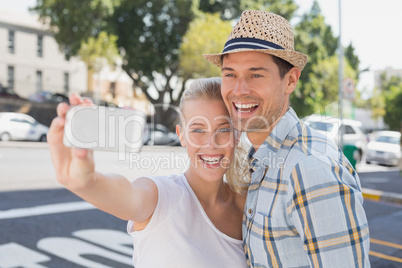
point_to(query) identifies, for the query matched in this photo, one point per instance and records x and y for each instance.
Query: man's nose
(241, 88)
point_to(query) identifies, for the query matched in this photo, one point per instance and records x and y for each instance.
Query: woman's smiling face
(208, 137)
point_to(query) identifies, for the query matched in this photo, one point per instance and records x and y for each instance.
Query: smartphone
(104, 128)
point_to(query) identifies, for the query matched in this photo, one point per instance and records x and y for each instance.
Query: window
(66, 53)
(11, 42)
(38, 81)
(10, 78)
(66, 83)
(40, 46)
(349, 130)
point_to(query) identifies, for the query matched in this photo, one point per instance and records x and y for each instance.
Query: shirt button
(250, 211)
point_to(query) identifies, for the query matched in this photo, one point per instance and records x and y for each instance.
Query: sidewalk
(385, 193)
(385, 185)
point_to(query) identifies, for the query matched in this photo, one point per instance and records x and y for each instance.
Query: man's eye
(224, 130)
(256, 75)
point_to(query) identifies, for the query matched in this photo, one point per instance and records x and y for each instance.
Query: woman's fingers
(62, 109)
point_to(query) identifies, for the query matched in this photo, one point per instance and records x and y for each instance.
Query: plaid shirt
(304, 205)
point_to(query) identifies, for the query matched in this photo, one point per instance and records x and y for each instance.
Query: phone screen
(104, 128)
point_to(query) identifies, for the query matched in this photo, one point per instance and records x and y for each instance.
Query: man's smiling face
(254, 93)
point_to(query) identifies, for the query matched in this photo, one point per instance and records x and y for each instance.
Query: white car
(18, 126)
(385, 149)
(330, 126)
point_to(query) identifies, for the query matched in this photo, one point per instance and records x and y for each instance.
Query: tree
(96, 51)
(206, 34)
(391, 88)
(318, 84)
(232, 9)
(149, 36)
(73, 22)
(352, 59)
(393, 107)
(286, 8)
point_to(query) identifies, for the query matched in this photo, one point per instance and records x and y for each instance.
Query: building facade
(31, 61)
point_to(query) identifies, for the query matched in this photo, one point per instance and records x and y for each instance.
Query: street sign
(349, 89)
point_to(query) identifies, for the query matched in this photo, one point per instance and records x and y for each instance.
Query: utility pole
(340, 75)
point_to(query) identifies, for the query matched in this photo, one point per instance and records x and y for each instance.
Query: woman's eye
(229, 75)
(197, 130)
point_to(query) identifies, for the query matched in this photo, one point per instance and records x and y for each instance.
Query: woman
(185, 220)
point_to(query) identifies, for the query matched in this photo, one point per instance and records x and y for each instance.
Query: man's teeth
(245, 105)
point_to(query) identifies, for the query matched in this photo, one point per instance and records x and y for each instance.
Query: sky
(371, 26)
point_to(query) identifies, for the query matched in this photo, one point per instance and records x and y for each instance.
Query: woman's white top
(180, 234)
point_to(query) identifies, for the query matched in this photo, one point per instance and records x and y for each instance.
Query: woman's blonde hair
(210, 89)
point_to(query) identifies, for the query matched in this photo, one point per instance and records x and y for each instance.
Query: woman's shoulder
(170, 182)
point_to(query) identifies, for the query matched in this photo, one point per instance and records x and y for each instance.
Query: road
(50, 227)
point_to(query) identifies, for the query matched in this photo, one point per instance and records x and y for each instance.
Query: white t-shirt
(180, 234)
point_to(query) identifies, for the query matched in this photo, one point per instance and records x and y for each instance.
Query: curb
(376, 195)
(23, 144)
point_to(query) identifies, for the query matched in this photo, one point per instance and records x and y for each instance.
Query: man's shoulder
(311, 142)
(307, 147)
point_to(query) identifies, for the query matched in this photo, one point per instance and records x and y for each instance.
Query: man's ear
(180, 133)
(293, 77)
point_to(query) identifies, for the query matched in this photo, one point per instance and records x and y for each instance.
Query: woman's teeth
(211, 160)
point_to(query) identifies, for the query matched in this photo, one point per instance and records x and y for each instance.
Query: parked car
(46, 96)
(9, 94)
(17, 126)
(331, 127)
(158, 134)
(385, 149)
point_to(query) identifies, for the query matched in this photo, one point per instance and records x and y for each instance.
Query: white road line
(45, 209)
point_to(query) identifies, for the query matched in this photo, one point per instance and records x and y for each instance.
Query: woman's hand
(75, 167)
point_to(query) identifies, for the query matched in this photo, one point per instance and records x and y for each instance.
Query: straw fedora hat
(265, 32)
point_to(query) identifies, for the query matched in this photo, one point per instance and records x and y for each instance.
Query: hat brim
(297, 59)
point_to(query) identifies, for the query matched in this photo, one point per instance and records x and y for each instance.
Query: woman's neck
(208, 193)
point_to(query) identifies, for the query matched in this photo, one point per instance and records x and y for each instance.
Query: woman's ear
(179, 132)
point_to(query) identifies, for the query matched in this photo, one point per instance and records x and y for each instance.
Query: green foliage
(73, 22)
(207, 34)
(97, 49)
(392, 93)
(352, 59)
(322, 87)
(377, 104)
(286, 8)
(158, 43)
(228, 9)
(393, 107)
(232, 9)
(318, 84)
(150, 32)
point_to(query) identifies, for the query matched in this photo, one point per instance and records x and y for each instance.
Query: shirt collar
(269, 148)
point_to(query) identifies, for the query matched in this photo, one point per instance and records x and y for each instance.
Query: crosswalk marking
(45, 209)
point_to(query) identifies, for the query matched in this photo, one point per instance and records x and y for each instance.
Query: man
(304, 202)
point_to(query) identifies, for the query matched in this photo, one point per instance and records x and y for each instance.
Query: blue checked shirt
(304, 205)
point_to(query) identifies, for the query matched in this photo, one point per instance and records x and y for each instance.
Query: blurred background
(141, 55)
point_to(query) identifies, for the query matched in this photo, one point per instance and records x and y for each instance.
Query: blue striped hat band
(249, 43)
